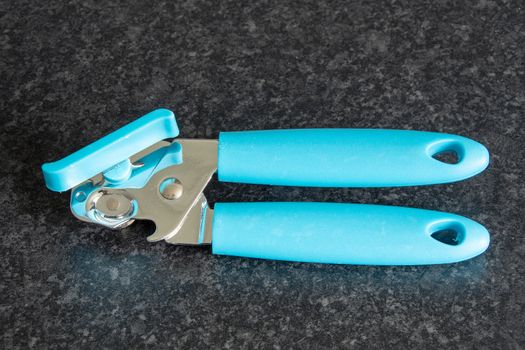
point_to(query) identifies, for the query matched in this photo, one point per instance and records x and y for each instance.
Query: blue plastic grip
(110, 150)
(346, 157)
(343, 233)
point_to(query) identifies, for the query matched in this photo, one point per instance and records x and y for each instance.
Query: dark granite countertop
(71, 71)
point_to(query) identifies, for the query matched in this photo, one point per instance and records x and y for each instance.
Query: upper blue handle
(346, 157)
(343, 233)
(110, 150)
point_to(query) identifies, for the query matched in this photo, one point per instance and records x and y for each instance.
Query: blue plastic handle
(343, 233)
(346, 157)
(110, 151)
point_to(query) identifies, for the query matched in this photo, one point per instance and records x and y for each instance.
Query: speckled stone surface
(71, 71)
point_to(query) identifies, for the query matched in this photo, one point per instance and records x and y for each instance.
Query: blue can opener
(135, 174)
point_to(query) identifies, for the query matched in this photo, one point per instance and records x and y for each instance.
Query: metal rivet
(80, 196)
(172, 191)
(113, 204)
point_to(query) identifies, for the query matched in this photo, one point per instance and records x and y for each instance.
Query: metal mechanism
(166, 187)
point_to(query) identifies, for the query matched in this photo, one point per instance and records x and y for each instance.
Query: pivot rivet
(171, 189)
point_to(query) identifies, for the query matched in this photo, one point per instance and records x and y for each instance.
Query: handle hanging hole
(448, 157)
(446, 236)
(447, 151)
(448, 232)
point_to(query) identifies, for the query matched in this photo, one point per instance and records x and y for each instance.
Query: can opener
(135, 174)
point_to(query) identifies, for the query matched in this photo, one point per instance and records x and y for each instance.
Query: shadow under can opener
(134, 174)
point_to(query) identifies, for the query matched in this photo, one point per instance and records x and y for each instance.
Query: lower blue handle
(343, 233)
(346, 157)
